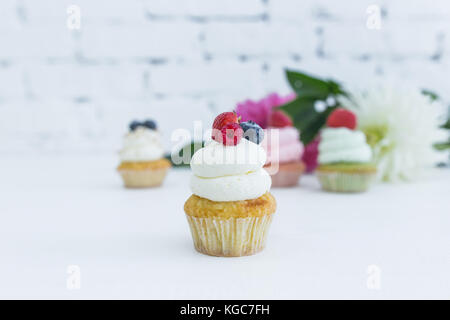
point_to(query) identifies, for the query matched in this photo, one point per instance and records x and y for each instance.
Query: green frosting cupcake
(344, 155)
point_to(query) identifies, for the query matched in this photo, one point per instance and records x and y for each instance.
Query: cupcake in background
(142, 163)
(282, 141)
(344, 155)
(284, 151)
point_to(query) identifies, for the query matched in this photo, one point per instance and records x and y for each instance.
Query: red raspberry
(341, 117)
(279, 119)
(231, 134)
(224, 118)
(220, 121)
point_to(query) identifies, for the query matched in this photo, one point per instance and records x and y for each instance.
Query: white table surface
(61, 211)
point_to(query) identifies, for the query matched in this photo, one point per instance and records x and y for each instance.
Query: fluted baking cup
(233, 237)
(345, 182)
(288, 174)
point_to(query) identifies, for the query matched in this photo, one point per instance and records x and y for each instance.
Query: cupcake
(282, 144)
(142, 163)
(284, 152)
(231, 208)
(344, 155)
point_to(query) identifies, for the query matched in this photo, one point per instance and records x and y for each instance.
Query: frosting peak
(217, 160)
(343, 145)
(142, 144)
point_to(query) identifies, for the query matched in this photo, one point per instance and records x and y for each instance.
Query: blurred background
(72, 88)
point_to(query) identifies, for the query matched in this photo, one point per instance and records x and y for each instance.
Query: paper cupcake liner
(143, 178)
(233, 237)
(288, 175)
(345, 182)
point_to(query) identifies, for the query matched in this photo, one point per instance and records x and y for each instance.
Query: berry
(341, 117)
(224, 118)
(149, 124)
(134, 124)
(231, 134)
(279, 119)
(252, 131)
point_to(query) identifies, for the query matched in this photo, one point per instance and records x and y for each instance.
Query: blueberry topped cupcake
(345, 158)
(231, 208)
(142, 162)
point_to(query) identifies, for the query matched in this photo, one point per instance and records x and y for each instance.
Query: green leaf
(297, 105)
(315, 124)
(446, 125)
(432, 95)
(306, 85)
(336, 88)
(305, 117)
(442, 145)
(309, 90)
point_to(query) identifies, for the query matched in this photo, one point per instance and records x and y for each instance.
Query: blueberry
(149, 124)
(134, 124)
(252, 131)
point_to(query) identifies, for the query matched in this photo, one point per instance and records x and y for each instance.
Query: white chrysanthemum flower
(401, 126)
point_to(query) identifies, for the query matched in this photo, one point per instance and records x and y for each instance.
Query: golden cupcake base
(230, 229)
(144, 174)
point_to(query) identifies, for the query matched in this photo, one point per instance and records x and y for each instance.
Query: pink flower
(259, 111)
(310, 154)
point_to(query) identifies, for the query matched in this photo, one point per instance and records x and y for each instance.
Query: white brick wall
(177, 61)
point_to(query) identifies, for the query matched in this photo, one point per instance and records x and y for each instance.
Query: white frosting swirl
(343, 145)
(230, 173)
(216, 160)
(142, 144)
